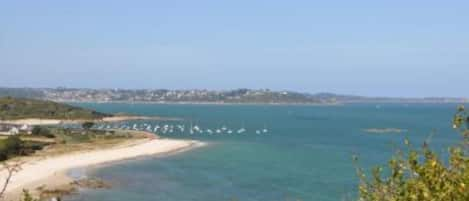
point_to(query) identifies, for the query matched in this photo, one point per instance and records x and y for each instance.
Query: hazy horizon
(366, 48)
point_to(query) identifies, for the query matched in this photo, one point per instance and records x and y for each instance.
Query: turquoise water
(306, 155)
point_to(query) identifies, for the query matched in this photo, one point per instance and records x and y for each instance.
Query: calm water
(306, 155)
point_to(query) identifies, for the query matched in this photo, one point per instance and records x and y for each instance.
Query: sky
(373, 48)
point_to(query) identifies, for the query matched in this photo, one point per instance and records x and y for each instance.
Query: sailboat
(241, 130)
(196, 128)
(156, 128)
(265, 129)
(191, 129)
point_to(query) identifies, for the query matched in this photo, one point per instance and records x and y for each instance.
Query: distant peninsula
(202, 96)
(25, 111)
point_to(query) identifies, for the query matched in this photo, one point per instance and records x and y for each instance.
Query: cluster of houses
(15, 129)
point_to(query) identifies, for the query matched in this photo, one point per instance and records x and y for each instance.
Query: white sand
(35, 173)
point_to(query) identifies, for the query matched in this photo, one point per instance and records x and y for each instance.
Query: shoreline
(54, 172)
(44, 122)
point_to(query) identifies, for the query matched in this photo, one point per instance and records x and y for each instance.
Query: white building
(14, 131)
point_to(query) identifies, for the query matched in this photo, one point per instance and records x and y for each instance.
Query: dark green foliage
(87, 125)
(42, 131)
(14, 146)
(10, 147)
(19, 108)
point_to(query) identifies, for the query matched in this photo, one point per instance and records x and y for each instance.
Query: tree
(420, 174)
(36, 130)
(87, 125)
(10, 146)
(42, 131)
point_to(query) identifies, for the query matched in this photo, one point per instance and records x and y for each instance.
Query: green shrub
(42, 131)
(87, 125)
(14, 146)
(10, 147)
(422, 175)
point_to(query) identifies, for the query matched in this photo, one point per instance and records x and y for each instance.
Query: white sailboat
(196, 128)
(191, 129)
(265, 130)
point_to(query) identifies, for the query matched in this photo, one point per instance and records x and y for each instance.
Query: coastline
(53, 172)
(39, 121)
(199, 103)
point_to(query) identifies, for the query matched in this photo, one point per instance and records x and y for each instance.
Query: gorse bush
(420, 174)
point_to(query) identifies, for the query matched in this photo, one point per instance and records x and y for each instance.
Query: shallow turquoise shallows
(306, 153)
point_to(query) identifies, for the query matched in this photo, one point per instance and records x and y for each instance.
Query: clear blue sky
(374, 48)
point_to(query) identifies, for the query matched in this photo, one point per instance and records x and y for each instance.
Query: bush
(42, 131)
(421, 175)
(87, 125)
(14, 146)
(10, 147)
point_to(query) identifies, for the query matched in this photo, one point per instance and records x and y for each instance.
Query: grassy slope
(20, 108)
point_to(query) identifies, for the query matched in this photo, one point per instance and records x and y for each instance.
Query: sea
(287, 152)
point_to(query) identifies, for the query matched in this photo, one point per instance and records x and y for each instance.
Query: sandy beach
(51, 171)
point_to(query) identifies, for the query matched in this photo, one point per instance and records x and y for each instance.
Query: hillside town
(166, 96)
(241, 96)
